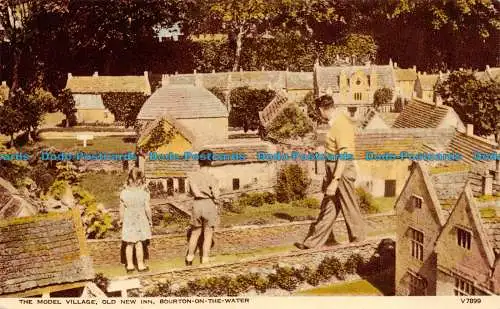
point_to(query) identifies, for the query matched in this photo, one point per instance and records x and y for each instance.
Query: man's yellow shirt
(340, 137)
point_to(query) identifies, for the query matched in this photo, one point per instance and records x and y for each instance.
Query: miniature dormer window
(464, 238)
(358, 82)
(236, 183)
(416, 201)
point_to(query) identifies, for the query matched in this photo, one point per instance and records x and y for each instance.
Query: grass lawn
(105, 186)
(384, 204)
(116, 144)
(352, 288)
(269, 213)
(178, 262)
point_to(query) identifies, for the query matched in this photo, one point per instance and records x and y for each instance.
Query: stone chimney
(70, 76)
(4, 83)
(469, 129)
(146, 75)
(487, 67)
(395, 64)
(390, 62)
(198, 80)
(487, 188)
(415, 68)
(96, 74)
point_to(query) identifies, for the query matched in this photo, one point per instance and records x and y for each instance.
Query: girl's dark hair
(136, 177)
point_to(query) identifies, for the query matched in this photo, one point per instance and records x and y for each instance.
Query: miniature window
(358, 82)
(358, 96)
(417, 244)
(416, 285)
(416, 201)
(236, 183)
(463, 287)
(464, 238)
(390, 188)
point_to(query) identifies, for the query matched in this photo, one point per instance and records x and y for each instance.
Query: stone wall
(310, 258)
(234, 240)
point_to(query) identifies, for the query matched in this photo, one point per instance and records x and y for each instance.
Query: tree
(292, 183)
(475, 102)
(238, 19)
(66, 105)
(291, 123)
(382, 96)
(23, 21)
(124, 106)
(10, 121)
(245, 106)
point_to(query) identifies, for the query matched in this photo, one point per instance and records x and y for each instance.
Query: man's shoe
(301, 246)
(188, 263)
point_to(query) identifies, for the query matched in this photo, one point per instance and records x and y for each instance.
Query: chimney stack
(4, 84)
(415, 68)
(395, 64)
(469, 129)
(146, 74)
(487, 188)
(70, 76)
(96, 74)
(487, 67)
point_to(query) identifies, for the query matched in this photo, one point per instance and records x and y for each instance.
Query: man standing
(204, 187)
(338, 183)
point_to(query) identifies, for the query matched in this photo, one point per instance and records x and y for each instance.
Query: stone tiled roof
(449, 183)
(12, 204)
(88, 101)
(250, 149)
(174, 168)
(397, 140)
(428, 81)
(467, 145)
(299, 80)
(389, 118)
(182, 102)
(328, 77)
(43, 250)
(421, 114)
(405, 74)
(251, 79)
(492, 228)
(494, 74)
(105, 84)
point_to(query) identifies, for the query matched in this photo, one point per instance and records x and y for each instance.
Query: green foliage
(366, 201)
(382, 96)
(96, 220)
(218, 93)
(360, 48)
(310, 104)
(66, 104)
(353, 263)
(124, 106)
(246, 104)
(286, 278)
(331, 266)
(476, 102)
(290, 123)
(309, 202)
(10, 121)
(292, 185)
(213, 56)
(158, 136)
(160, 289)
(101, 281)
(58, 188)
(67, 171)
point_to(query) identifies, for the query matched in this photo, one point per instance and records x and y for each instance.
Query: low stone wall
(310, 258)
(233, 240)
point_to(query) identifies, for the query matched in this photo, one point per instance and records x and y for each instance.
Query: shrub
(286, 278)
(161, 289)
(234, 206)
(67, 171)
(96, 220)
(253, 199)
(312, 277)
(292, 183)
(290, 123)
(269, 197)
(353, 263)
(309, 202)
(331, 266)
(58, 188)
(366, 201)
